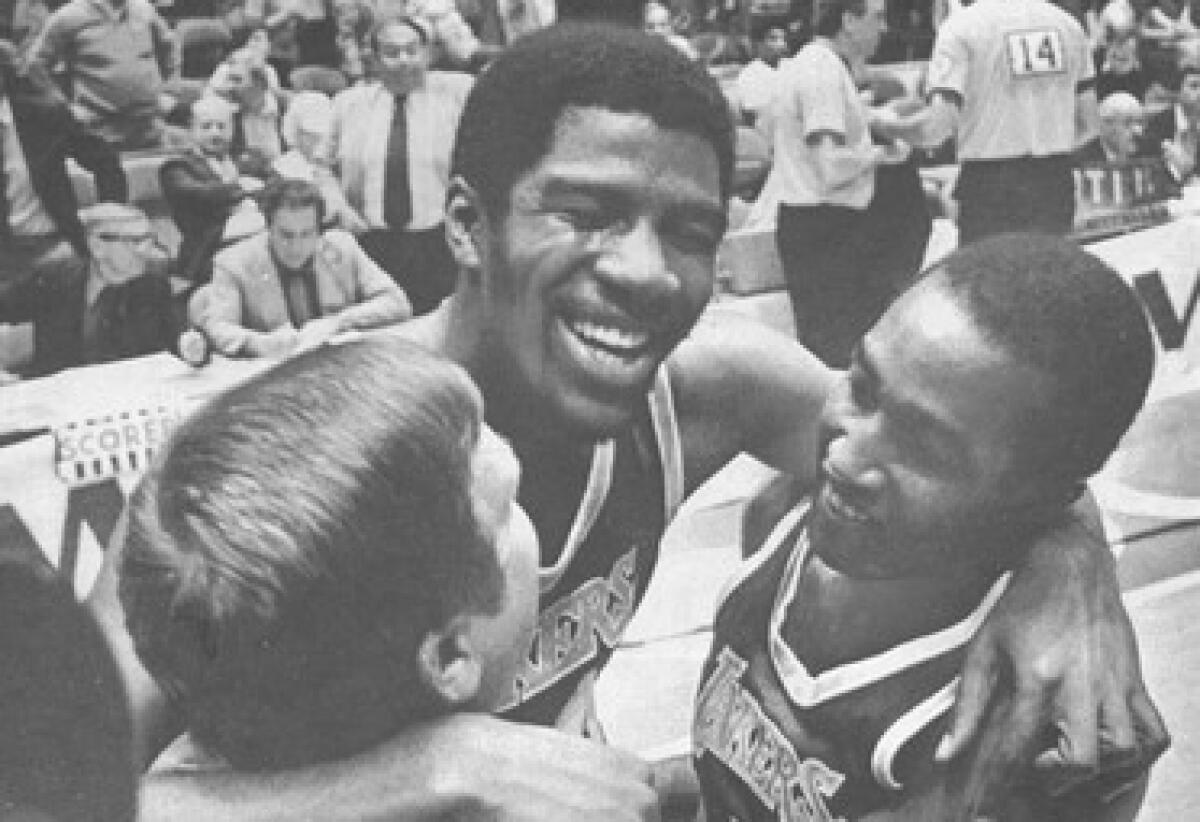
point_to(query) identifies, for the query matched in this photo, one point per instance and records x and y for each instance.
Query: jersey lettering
(570, 631)
(730, 724)
(1035, 53)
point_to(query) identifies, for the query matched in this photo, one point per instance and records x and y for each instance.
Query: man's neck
(844, 48)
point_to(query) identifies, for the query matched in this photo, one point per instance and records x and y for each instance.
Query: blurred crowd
(189, 110)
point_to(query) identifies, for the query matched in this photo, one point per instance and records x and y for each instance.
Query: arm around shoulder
(742, 387)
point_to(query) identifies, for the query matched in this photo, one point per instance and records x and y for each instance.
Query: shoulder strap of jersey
(666, 433)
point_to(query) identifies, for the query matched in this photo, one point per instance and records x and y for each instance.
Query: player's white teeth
(610, 337)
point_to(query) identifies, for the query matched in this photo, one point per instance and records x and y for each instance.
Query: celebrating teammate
(590, 178)
(972, 414)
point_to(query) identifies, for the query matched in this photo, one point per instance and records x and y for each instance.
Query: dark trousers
(1028, 194)
(843, 265)
(419, 261)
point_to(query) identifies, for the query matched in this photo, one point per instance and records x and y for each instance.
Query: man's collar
(6, 114)
(289, 273)
(1182, 121)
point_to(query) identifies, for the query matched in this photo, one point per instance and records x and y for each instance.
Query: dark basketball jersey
(592, 580)
(778, 738)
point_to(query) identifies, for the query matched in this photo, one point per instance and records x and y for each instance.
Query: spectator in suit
(204, 188)
(1120, 69)
(116, 54)
(293, 287)
(1175, 131)
(1120, 131)
(391, 144)
(41, 237)
(112, 308)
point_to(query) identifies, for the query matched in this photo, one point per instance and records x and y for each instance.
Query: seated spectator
(205, 189)
(1120, 69)
(391, 144)
(1175, 131)
(42, 244)
(112, 309)
(115, 56)
(657, 21)
(252, 39)
(306, 129)
(756, 83)
(353, 21)
(305, 597)
(242, 80)
(294, 286)
(280, 18)
(1121, 123)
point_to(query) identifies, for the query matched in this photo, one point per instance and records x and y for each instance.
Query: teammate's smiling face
(602, 264)
(919, 463)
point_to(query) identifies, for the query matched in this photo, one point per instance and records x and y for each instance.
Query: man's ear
(464, 224)
(449, 664)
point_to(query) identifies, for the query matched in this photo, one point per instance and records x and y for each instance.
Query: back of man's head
(298, 538)
(1051, 305)
(511, 115)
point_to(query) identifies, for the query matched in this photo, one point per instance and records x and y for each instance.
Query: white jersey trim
(883, 757)
(670, 446)
(786, 524)
(598, 484)
(806, 690)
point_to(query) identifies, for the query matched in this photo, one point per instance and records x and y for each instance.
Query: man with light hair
(115, 308)
(1122, 121)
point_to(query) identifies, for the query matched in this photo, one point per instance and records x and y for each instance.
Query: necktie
(5, 228)
(299, 289)
(397, 197)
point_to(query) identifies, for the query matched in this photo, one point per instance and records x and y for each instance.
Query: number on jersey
(1034, 53)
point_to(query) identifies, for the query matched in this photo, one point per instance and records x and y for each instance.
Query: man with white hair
(1120, 132)
(114, 309)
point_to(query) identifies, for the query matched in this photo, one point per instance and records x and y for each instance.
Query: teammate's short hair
(830, 13)
(293, 194)
(1120, 104)
(512, 112)
(1063, 311)
(298, 538)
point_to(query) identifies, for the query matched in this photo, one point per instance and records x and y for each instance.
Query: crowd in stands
(221, 97)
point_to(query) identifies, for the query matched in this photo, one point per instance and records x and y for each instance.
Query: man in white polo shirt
(822, 183)
(1012, 80)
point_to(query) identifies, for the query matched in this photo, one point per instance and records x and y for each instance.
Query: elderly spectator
(206, 190)
(41, 238)
(1175, 131)
(293, 287)
(1120, 132)
(306, 128)
(115, 55)
(243, 80)
(110, 310)
(758, 81)
(392, 140)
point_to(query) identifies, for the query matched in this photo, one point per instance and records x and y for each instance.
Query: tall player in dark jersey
(971, 416)
(590, 177)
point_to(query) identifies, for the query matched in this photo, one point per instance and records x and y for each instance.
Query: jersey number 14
(1033, 53)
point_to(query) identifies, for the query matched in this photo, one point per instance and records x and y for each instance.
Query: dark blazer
(200, 203)
(1161, 127)
(137, 318)
(49, 134)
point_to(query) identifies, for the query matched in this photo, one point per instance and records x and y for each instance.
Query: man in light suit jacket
(293, 286)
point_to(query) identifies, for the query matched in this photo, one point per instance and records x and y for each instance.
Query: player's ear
(449, 663)
(464, 223)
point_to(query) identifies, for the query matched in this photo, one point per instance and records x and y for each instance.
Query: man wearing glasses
(113, 308)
